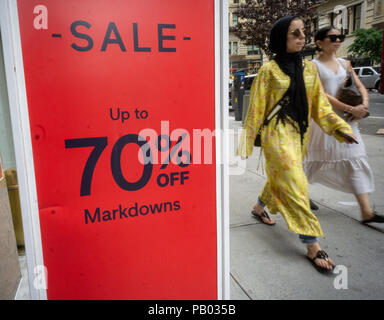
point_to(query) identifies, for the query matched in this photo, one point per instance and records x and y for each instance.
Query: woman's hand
(244, 158)
(350, 141)
(348, 138)
(358, 112)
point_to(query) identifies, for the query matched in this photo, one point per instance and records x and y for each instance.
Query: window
(232, 48)
(367, 72)
(234, 51)
(337, 21)
(356, 17)
(235, 1)
(379, 8)
(331, 18)
(315, 25)
(345, 24)
(377, 69)
(253, 50)
(234, 20)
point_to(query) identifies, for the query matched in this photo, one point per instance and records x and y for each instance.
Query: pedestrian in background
(293, 84)
(339, 166)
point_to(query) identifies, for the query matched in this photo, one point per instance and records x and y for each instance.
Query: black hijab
(296, 104)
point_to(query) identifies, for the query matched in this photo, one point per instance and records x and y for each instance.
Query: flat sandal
(263, 214)
(321, 254)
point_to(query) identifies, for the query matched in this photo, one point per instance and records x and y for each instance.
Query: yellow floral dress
(286, 189)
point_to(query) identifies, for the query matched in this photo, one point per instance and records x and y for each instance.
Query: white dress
(340, 166)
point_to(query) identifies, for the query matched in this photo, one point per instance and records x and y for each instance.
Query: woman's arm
(359, 85)
(324, 116)
(256, 113)
(361, 110)
(357, 112)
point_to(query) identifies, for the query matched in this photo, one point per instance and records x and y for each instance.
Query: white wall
(6, 142)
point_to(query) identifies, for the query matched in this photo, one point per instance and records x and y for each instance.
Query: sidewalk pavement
(269, 262)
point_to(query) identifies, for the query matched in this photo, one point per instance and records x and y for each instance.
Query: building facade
(350, 15)
(242, 57)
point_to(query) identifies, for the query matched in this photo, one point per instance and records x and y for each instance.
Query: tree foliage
(257, 16)
(367, 43)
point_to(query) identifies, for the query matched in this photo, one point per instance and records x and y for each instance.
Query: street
(375, 121)
(376, 104)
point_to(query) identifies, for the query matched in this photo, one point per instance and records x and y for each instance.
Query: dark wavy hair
(322, 33)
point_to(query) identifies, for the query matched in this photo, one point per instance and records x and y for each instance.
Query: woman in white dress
(340, 166)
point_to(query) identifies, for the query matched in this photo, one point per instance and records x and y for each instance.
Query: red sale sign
(122, 104)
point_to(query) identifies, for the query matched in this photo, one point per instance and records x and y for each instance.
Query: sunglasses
(297, 33)
(334, 37)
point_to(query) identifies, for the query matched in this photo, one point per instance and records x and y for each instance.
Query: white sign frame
(10, 32)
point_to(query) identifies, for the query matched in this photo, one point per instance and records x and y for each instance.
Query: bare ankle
(365, 215)
(313, 247)
(258, 208)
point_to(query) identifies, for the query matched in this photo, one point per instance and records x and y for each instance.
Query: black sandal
(376, 218)
(263, 214)
(321, 254)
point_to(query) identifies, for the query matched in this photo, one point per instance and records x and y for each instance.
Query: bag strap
(274, 111)
(268, 118)
(345, 65)
(347, 70)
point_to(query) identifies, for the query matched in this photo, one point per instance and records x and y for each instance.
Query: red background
(172, 255)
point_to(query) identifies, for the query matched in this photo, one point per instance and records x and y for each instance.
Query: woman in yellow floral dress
(294, 84)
